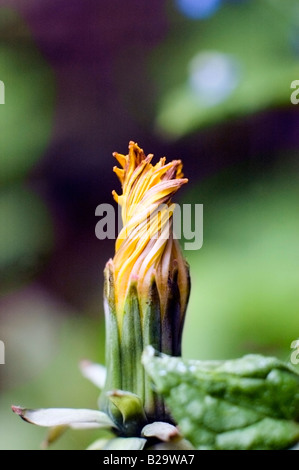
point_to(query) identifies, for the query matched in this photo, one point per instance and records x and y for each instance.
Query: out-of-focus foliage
(26, 118)
(26, 121)
(26, 234)
(245, 277)
(60, 385)
(238, 61)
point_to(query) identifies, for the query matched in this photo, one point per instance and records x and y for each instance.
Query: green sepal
(152, 335)
(113, 353)
(131, 409)
(131, 345)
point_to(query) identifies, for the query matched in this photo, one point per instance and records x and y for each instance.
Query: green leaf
(247, 403)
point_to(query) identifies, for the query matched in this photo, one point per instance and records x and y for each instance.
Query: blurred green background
(208, 81)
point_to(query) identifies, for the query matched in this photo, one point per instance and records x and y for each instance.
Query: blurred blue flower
(213, 76)
(197, 9)
(236, 1)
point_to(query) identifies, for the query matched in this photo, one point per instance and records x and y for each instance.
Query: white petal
(180, 444)
(163, 431)
(85, 425)
(94, 372)
(98, 445)
(125, 443)
(64, 416)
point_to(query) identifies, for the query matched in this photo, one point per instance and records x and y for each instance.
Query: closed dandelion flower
(147, 283)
